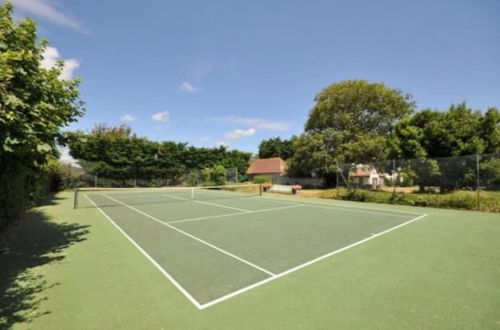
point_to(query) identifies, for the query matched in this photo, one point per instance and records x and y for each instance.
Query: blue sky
(236, 72)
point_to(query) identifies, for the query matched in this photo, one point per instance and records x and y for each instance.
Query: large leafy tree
(276, 147)
(34, 105)
(362, 114)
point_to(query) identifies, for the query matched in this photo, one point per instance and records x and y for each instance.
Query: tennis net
(106, 197)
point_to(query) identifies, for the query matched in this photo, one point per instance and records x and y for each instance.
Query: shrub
(262, 179)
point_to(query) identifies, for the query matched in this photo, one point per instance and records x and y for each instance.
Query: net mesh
(105, 197)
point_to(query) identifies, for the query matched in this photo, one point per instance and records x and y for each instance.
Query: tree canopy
(456, 132)
(360, 115)
(34, 105)
(276, 147)
(117, 153)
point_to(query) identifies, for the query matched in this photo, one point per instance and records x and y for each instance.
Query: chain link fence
(468, 182)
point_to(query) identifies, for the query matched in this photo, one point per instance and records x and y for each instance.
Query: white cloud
(187, 87)
(46, 9)
(261, 123)
(128, 118)
(204, 138)
(222, 144)
(239, 133)
(163, 116)
(50, 58)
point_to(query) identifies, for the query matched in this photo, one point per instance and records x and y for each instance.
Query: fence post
(75, 199)
(478, 182)
(337, 176)
(394, 177)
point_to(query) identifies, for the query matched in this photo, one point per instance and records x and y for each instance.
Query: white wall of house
(373, 180)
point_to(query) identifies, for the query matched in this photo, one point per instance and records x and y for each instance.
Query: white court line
(257, 284)
(163, 271)
(294, 269)
(343, 207)
(234, 214)
(193, 237)
(207, 203)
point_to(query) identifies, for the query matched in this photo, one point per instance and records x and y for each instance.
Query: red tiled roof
(363, 171)
(267, 166)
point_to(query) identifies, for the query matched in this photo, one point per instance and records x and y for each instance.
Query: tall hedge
(34, 104)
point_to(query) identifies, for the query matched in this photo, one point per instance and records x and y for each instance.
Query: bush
(219, 175)
(465, 200)
(259, 179)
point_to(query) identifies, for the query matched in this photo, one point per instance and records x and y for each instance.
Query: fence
(471, 179)
(192, 177)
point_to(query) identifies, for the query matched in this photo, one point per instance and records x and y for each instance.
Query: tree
(359, 107)
(362, 115)
(311, 156)
(456, 132)
(117, 154)
(219, 174)
(34, 104)
(490, 130)
(276, 147)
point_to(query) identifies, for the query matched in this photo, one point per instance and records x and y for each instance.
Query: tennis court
(216, 243)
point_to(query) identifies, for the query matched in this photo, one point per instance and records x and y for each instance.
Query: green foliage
(259, 179)
(349, 123)
(359, 107)
(213, 175)
(276, 147)
(465, 200)
(34, 105)
(458, 131)
(490, 173)
(219, 175)
(117, 153)
(360, 115)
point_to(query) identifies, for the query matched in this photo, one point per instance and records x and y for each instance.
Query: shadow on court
(32, 242)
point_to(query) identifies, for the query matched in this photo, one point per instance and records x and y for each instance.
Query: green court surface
(220, 244)
(166, 260)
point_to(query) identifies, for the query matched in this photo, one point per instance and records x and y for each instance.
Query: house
(273, 167)
(366, 175)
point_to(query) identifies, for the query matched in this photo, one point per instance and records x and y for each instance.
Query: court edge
(254, 285)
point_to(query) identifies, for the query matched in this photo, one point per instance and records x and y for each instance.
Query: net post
(192, 193)
(75, 199)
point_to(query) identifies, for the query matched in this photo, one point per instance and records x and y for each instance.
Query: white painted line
(294, 269)
(207, 217)
(357, 211)
(192, 236)
(208, 203)
(340, 207)
(234, 214)
(163, 271)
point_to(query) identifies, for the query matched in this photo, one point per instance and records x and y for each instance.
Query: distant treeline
(119, 154)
